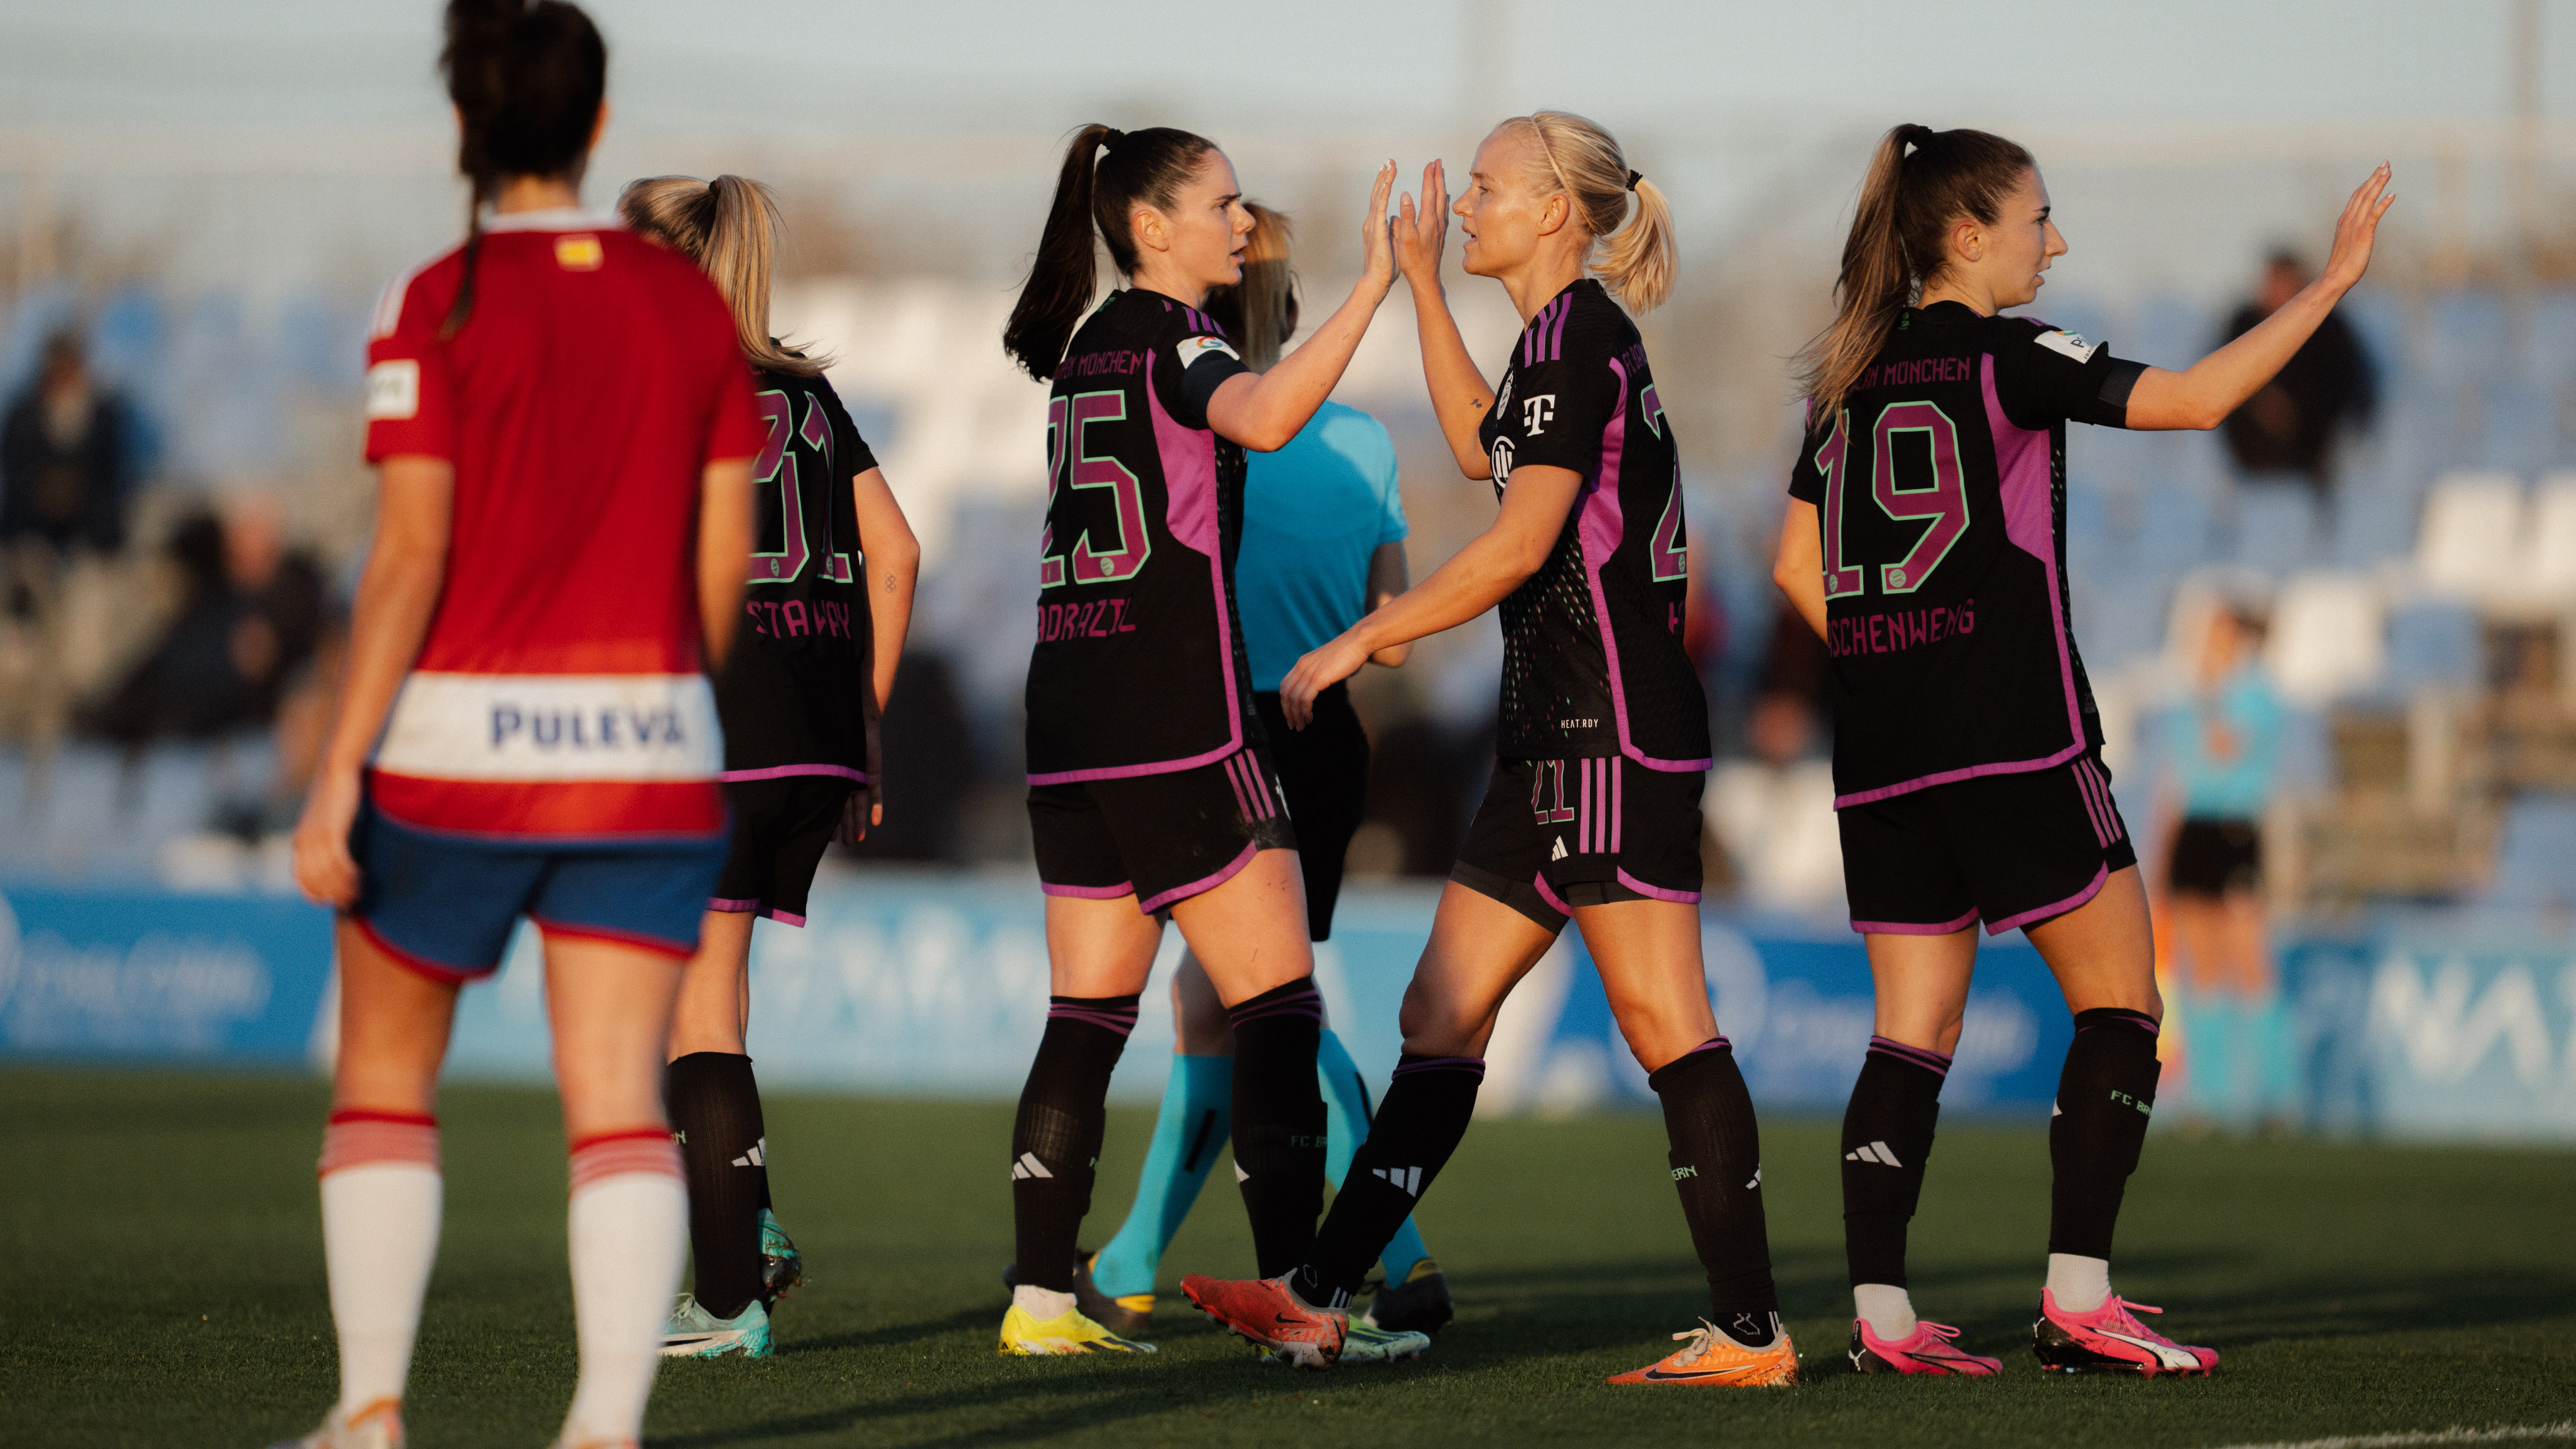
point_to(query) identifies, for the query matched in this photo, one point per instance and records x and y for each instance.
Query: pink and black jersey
(559, 693)
(1940, 491)
(1593, 664)
(1139, 667)
(797, 694)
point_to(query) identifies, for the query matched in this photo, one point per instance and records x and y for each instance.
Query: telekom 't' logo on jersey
(1537, 412)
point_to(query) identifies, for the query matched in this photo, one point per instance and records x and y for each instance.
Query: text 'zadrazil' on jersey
(1593, 664)
(1139, 666)
(1940, 492)
(559, 693)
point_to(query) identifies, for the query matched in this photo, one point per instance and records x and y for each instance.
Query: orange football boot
(1268, 1312)
(1711, 1358)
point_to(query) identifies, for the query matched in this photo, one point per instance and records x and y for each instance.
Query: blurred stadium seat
(2326, 640)
(2472, 524)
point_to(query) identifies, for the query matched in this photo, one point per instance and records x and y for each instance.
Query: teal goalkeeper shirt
(1313, 514)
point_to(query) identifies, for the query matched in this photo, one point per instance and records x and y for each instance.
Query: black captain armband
(2118, 380)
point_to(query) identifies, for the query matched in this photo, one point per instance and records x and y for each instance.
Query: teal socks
(1190, 1134)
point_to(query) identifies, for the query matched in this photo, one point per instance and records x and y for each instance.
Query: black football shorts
(781, 827)
(1324, 768)
(1160, 838)
(2008, 850)
(1556, 834)
(2215, 857)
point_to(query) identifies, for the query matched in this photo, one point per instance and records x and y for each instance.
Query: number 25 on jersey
(1945, 503)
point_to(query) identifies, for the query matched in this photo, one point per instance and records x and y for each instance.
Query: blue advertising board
(935, 984)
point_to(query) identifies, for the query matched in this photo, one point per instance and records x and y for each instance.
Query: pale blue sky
(1341, 65)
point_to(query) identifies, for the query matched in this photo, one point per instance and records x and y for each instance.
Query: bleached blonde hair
(730, 228)
(1635, 256)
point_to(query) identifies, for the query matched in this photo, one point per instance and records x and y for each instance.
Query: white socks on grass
(2079, 1284)
(629, 1223)
(380, 1211)
(1889, 1309)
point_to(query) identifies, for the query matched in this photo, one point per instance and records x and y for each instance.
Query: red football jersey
(560, 692)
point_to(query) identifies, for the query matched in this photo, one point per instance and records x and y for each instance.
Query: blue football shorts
(444, 905)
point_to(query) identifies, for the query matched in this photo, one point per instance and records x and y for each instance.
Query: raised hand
(1377, 248)
(1421, 233)
(2356, 229)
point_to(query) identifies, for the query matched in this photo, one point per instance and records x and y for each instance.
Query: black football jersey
(1940, 492)
(1592, 643)
(796, 693)
(1139, 667)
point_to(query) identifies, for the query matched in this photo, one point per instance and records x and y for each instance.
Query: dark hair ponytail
(527, 77)
(1145, 167)
(1897, 243)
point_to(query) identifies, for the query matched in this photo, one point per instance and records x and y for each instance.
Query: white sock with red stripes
(380, 1209)
(630, 1221)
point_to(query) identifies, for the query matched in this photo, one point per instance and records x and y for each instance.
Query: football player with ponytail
(829, 598)
(1593, 815)
(1152, 788)
(1926, 544)
(562, 429)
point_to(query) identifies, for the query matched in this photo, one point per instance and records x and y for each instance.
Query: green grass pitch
(163, 1275)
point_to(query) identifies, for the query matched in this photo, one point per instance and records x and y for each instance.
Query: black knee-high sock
(1055, 1143)
(2103, 1098)
(1887, 1137)
(1417, 1126)
(1717, 1165)
(715, 1112)
(1279, 1120)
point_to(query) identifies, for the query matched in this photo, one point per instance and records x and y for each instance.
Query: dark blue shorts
(445, 905)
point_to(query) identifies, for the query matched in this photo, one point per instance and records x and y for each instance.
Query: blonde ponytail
(1260, 311)
(730, 228)
(1636, 259)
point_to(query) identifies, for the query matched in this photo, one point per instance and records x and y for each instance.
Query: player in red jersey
(830, 596)
(562, 428)
(1926, 543)
(1594, 814)
(1150, 786)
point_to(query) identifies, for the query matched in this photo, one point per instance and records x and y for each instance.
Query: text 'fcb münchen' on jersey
(1593, 663)
(1940, 493)
(798, 694)
(1139, 665)
(559, 693)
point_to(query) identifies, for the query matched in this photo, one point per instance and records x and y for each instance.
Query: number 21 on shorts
(1945, 503)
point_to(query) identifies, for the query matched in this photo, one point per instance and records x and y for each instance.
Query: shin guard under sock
(1055, 1143)
(1190, 1133)
(1346, 1106)
(1420, 1123)
(1887, 1137)
(2103, 1098)
(1717, 1165)
(714, 1106)
(1279, 1120)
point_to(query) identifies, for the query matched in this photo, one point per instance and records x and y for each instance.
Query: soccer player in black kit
(826, 604)
(1593, 814)
(1151, 790)
(1926, 543)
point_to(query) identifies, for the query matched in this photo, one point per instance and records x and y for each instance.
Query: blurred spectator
(2223, 755)
(252, 618)
(65, 461)
(66, 469)
(1774, 813)
(2291, 425)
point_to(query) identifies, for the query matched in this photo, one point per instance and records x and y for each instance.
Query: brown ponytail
(1897, 244)
(729, 227)
(1148, 166)
(527, 77)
